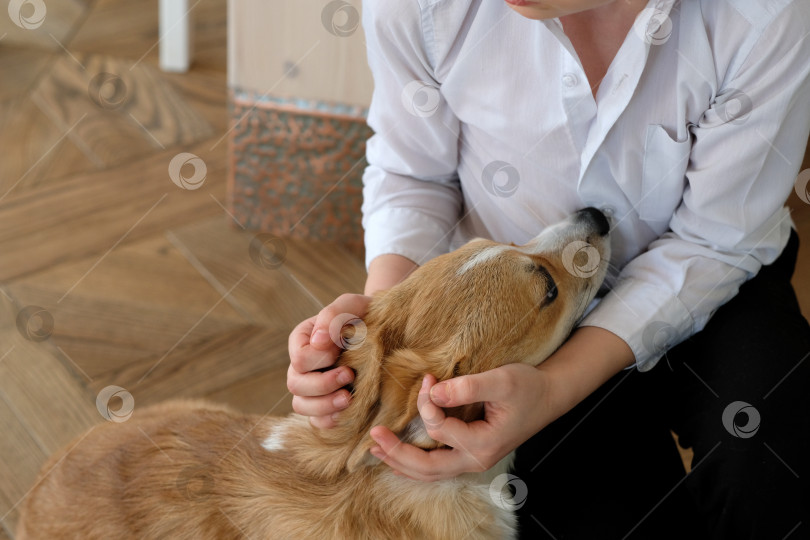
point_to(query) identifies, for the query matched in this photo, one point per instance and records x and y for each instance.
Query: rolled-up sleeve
(746, 153)
(411, 193)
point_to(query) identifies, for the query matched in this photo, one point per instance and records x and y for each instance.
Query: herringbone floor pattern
(110, 273)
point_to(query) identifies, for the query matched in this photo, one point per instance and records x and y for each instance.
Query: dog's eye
(551, 286)
(551, 295)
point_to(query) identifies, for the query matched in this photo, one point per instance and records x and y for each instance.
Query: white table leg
(175, 35)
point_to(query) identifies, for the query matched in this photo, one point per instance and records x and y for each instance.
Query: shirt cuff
(406, 232)
(650, 320)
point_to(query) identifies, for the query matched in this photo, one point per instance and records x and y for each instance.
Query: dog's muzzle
(597, 218)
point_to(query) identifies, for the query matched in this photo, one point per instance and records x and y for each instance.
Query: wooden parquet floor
(110, 274)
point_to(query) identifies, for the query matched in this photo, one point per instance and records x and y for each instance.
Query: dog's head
(482, 306)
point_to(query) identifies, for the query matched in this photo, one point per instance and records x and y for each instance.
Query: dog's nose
(596, 217)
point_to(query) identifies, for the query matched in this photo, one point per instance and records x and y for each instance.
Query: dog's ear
(400, 379)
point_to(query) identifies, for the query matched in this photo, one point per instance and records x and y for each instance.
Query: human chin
(535, 10)
(545, 10)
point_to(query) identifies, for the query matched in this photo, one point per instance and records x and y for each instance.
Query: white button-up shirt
(485, 125)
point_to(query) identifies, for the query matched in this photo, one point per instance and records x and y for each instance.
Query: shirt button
(570, 79)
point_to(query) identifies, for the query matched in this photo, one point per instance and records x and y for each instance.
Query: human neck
(598, 34)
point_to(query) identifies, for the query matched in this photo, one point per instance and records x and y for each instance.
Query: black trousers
(737, 393)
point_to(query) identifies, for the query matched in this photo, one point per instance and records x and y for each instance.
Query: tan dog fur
(192, 469)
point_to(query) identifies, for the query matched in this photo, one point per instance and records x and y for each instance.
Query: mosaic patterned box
(296, 168)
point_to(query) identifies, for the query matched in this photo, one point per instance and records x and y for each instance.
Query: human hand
(314, 345)
(518, 401)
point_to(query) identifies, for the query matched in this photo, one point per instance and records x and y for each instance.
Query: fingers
(451, 431)
(303, 357)
(464, 440)
(323, 411)
(322, 405)
(320, 394)
(414, 462)
(432, 415)
(311, 345)
(323, 422)
(316, 342)
(330, 320)
(318, 383)
(493, 385)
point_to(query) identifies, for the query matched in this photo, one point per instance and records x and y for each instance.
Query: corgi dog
(198, 470)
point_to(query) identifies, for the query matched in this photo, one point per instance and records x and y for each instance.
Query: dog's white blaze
(485, 255)
(482, 256)
(275, 441)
